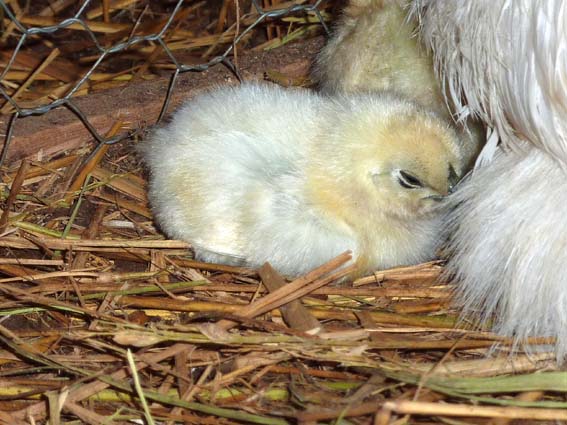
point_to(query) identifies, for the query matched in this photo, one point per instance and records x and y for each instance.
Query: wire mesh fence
(105, 38)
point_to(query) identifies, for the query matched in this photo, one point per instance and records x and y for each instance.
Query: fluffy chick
(257, 173)
(374, 47)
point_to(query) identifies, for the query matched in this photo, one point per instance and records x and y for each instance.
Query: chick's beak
(437, 198)
(453, 179)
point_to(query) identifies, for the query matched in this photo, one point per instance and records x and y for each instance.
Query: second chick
(374, 47)
(257, 173)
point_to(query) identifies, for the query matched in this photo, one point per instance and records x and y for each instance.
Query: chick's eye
(408, 181)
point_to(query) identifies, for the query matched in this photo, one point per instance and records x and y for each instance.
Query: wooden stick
(106, 11)
(31, 262)
(295, 314)
(441, 294)
(295, 289)
(446, 409)
(14, 190)
(429, 270)
(425, 322)
(54, 53)
(47, 21)
(62, 244)
(527, 396)
(50, 167)
(92, 163)
(115, 4)
(91, 232)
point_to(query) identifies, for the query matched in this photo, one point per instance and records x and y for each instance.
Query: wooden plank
(139, 104)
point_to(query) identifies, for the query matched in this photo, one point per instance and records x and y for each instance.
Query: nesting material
(85, 277)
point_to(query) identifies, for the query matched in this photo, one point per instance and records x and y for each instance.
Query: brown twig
(14, 190)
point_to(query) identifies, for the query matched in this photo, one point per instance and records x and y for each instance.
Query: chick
(505, 62)
(374, 47)
(257, 173)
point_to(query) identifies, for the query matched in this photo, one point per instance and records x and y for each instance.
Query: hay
(104, 320)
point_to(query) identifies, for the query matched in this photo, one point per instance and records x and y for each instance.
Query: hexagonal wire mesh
(26, 33)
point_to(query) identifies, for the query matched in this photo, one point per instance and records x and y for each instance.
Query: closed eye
(408, 181)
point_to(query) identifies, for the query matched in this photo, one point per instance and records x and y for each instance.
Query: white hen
(506, 61)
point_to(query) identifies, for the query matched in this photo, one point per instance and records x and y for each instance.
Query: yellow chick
(374, 47)
(257, 173)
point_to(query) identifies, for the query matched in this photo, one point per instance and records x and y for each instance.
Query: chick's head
(392, 159)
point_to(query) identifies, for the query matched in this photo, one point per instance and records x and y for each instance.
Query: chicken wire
(78, 18)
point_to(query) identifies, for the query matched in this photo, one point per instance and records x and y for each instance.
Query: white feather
(508, 236)
(506, 62)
